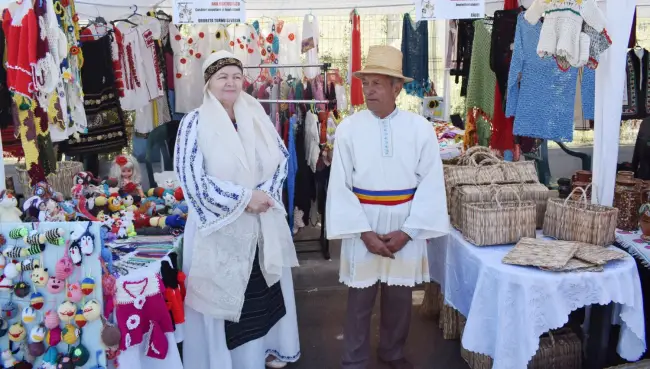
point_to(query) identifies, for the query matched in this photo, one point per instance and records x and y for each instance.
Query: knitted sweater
(21, 32)
(562, 30)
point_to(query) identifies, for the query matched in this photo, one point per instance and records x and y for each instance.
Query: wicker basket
(430, 307)
(452, 322)
(559, 350)
(499, 223)
(61, 181)
(580, 221)
(491, 170)
(471, 194)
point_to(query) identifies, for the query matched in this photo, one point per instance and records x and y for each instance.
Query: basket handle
(496, 195)
(478, 171)
(583, 197)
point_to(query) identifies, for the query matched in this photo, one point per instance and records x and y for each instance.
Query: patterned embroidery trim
(214, 67)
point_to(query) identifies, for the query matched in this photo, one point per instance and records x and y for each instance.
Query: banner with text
(209, 11)
(449, 9)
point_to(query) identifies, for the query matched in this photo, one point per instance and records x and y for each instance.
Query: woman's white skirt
(205, 337)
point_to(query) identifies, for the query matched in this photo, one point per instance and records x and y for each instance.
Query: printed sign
(449, 9)
(209, 11)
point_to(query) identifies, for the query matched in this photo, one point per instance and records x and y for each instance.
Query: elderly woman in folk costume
(238, 249)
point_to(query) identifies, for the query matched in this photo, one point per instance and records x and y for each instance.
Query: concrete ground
(321, 303)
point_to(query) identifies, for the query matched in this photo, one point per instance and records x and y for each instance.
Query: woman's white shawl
(219, 167)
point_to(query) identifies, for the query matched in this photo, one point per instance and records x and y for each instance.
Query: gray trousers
(395, 304)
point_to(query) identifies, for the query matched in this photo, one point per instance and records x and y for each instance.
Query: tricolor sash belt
(389, 198)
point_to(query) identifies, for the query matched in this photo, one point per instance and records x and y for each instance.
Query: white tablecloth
(509, 307)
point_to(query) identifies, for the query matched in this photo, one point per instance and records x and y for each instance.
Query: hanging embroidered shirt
(71, 67)
(191, 48)
(106, 129)
(561, 33)
(415, 56)
(540, 95)
(94, 32)
(636, 104)
(309, 45)
(245, 47)
(290, 50)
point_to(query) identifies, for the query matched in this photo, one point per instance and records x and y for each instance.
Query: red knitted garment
(21, 47)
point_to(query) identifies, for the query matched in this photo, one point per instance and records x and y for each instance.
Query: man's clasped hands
(385, 245)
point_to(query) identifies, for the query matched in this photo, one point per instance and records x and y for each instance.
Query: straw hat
(385, 60)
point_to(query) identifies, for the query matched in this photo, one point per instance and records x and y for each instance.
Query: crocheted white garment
(562, 30)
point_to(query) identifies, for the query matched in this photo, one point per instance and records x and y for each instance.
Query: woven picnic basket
(581, 221)
(499, 222)
(471, 194)
(561, 349)
(62, 180)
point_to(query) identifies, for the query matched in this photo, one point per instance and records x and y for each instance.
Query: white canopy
(112, 9)
(610, 74)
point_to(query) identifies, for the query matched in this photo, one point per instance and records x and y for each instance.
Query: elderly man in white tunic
(386, 197)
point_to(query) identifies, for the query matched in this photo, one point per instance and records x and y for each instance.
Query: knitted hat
(9, 310)
(51, 355)
(70, 334)
(79, 319)
(51, 319)
(17, 332)
(64, 267)
(87, 242)
(21, 289)
(28, 314)
(110, 334)
(40, 277)
(55, 285)
(384, 60)
(53, 336)
(75, 253)
(92, 310)
(79, 355)
(74, 293)
(66, 311)
(65, 362)
(37, 334)
(36, 349)
(87, 286)
(36, 300)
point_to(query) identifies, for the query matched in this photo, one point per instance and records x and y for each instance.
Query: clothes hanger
(128, 19)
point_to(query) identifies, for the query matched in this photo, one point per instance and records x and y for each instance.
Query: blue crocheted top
(588, 93)
(543, 101)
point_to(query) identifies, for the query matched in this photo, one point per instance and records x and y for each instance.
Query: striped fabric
(389, 198)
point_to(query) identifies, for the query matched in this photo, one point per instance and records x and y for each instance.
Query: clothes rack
(297, 101)
(322, 239)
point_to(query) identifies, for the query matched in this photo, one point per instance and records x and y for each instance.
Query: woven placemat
(577, 265)
(541, 253)
(597, 254)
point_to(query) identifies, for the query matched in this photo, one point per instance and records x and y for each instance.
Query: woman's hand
(260, 202)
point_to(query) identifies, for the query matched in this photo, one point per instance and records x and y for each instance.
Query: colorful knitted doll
(562, 30)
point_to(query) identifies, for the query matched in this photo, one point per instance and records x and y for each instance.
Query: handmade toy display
(50, 312)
